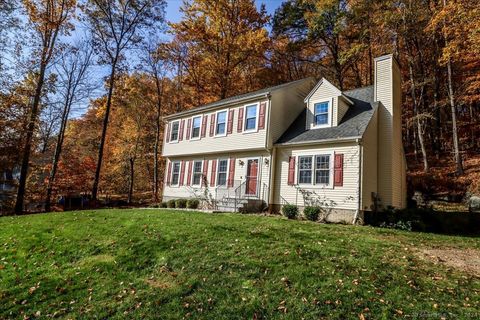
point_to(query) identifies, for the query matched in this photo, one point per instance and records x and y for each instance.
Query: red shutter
(205, 170)
(291, 171)
(240, 120)
(261, 117)
(231, 172)
(204, 126)
(169, 172)
(212, 125)
(189, 176)
(180, 134)
(168, 132)
(214, 172)
(338, 170)
(182, 172)
(189, 125)
(230, 121)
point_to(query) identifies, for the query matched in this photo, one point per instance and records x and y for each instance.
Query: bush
(163, 205)
(290, 211)
(192, 203)
(181, 203)
(311, 213)
(171, 203)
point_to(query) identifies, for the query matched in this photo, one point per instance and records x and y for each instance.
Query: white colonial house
(301, 143)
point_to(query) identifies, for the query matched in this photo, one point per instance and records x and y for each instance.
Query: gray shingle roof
(239, 98)
(353, 124)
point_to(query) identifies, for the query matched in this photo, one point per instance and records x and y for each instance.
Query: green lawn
(154, 264)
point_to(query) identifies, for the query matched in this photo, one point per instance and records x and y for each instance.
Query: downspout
(359, 190)
(273, 162)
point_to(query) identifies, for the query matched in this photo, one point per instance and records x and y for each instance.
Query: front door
(252, 174)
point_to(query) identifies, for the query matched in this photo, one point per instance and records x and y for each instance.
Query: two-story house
(302, 143)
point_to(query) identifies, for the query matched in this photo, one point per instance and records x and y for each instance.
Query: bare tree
(49, 19)
(116, 25)
(74, 86)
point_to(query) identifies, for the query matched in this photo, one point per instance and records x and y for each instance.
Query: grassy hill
(151, 264)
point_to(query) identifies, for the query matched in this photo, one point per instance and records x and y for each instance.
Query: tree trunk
(157, 138)
(28, 139)
(458, 156)
(104, 130)
(132, 173)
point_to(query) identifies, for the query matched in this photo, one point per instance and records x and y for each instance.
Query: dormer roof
(334, 89)
(352, 126)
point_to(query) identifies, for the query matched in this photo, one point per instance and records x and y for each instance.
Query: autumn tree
(49, 19)
(221, 38)
(116, 26)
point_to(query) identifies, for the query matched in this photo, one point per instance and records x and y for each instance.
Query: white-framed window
(251, 117)
(197, 173)
(322, 113)
(175, 130)
(222, 172)
(221, 123)
(322, 169)
(316, 170)
(305, 166)
(196, 125)
(175, 173)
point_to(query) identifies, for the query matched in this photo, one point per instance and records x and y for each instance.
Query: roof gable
(334, 89)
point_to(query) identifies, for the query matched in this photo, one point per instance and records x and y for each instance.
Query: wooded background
(50, 49)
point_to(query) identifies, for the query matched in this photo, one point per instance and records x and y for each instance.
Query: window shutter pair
(261, 115)
(182, 173)
(338, 170)
(291, 171)
(240, 120)
(212, 124)
(214, 172)
(189, 176)
(205, 170)
(168, 133)
(231, 173)
(169, 172)
(180, 130)
(204, 126)
(230, 121)
(189, 127)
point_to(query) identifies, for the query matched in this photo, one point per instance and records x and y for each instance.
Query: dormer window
(322, 113)
(174, 133)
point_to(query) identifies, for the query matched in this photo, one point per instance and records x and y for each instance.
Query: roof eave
(323, 141)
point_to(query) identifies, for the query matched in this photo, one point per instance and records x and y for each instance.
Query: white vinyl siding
(369, 163)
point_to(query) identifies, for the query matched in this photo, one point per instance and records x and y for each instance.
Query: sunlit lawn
(154, 264)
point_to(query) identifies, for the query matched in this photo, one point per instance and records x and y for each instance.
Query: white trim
(193, 173)
(314, 124)
(200, 128)
(314, 155)
(218, 171)
(179, 173)
(171, 131)
(215, 123)
(257, 105)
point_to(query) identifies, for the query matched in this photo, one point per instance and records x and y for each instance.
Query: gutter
(316, 142)
(359, 187)
(215, 105)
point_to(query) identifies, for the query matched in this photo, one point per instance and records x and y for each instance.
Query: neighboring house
(299, 143)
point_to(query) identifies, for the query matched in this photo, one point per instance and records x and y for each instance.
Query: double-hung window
(175, 173)
(221, 123)
(196, 123)
(197, 173)
(321, 113)
(174, 133)
(222, 172)
(322, 169)
(251, 118)
(305, 169)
